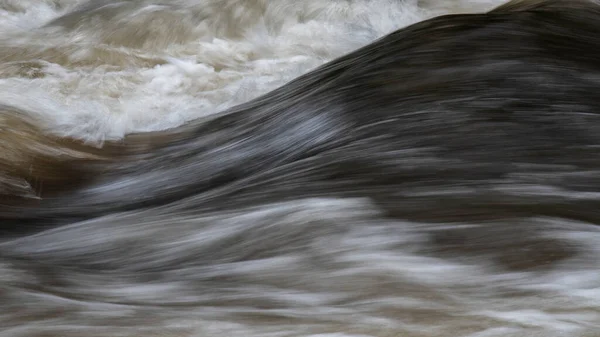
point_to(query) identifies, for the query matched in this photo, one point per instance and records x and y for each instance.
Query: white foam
(242, 49)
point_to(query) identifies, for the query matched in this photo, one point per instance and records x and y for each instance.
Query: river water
(98, 70)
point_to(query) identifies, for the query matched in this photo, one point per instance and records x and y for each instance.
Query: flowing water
(319, 267)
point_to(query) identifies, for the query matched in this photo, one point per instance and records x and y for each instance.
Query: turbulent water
(316, 266)
(101, 69)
